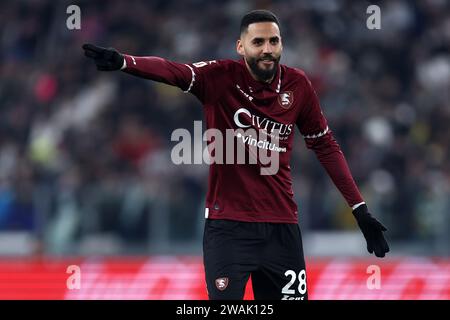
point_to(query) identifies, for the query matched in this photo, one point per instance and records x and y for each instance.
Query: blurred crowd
(85, 153)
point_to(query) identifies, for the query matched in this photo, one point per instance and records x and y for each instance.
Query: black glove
(106, 59)
(372, 230)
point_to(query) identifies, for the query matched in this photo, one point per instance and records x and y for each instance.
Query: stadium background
(85, 172)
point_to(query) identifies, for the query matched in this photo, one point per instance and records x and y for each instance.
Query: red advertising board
(182, 278)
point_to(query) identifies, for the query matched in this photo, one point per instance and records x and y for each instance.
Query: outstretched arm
(153, 68)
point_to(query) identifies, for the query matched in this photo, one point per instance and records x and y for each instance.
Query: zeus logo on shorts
(222, 283)
(287, 297)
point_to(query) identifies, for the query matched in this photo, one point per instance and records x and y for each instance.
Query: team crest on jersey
(222, 283)
(285, 99)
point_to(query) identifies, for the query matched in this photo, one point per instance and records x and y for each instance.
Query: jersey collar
(257, 86)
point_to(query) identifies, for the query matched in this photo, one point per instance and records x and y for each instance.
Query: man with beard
(251, 225)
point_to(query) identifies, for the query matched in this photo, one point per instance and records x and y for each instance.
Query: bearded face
(264, 68)
(261, 47)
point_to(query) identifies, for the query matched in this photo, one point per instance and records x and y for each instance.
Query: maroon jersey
(232, 99)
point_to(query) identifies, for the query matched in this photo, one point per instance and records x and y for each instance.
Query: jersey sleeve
(311, 121)
(319, 138)
(159, 69)
(206, 79)
(199, 78)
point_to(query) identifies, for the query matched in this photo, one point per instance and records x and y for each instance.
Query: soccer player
(251, 225)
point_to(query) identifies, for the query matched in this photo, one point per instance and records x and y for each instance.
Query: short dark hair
(257, 16)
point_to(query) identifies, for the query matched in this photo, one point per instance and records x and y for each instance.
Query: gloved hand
(372, 230)
(106, 59)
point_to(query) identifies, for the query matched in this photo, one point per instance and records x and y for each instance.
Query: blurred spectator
(81, 155)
